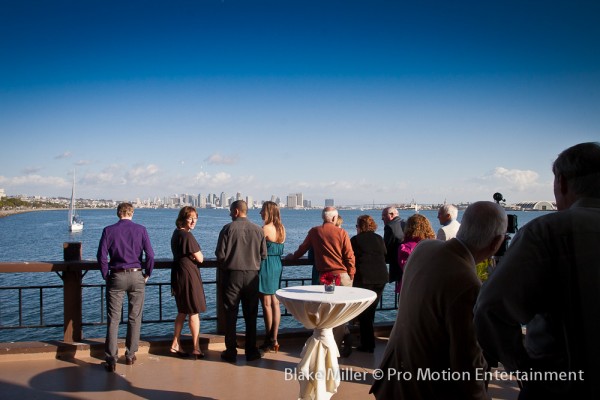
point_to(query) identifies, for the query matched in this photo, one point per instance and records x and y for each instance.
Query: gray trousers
(117, 284)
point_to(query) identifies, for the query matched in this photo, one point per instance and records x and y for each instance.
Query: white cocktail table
(318, 370)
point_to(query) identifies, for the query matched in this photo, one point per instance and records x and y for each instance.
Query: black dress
(186, 283)
(371, 273)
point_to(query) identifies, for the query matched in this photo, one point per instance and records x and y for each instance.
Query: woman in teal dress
(270, 273)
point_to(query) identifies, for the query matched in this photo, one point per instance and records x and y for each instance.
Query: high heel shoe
(275, 346)
(179, 353)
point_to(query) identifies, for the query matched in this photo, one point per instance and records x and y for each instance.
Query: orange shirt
(331, 247)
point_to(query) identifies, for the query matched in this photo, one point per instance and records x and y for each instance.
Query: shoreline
(8, 213)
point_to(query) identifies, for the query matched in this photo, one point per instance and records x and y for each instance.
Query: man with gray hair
(549, 281)
(393, 235)
(433, 336)
(447, 215)
(333, 254)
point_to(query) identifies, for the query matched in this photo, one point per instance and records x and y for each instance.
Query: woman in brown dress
(186, 283)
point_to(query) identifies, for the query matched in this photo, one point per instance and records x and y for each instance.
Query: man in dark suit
(393, 235)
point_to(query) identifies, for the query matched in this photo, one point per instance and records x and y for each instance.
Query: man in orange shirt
(333, 254)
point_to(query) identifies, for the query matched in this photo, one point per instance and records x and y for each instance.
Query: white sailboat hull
(76, 227)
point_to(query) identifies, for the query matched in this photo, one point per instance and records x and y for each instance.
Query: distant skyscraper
(329, 203)
(299, 200)
(223, 200)
(250, 201)
(291, 201)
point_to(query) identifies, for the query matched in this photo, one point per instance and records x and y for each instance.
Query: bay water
(39, 236)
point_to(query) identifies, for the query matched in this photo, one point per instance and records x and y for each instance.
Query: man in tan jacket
(432, 352)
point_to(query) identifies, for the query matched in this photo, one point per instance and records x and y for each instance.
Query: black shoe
(130, 361)
(347, 340)
(110, 367)
(363, 349)
(255, 355)
(179, 353)
(346, 351)
(229, 356)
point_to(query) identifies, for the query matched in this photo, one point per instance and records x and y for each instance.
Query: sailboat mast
(72, 208)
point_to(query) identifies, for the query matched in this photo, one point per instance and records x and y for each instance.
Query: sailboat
(75, 223)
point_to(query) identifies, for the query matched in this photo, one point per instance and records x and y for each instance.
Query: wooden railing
(73, 269)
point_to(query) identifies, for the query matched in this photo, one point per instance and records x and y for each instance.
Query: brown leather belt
(117, 270)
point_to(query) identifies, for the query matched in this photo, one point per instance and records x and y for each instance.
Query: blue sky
(360, 101)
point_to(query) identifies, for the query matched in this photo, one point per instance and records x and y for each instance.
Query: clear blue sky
(360, 101)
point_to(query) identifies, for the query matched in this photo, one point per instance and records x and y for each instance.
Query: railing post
(221, 322)
(72, 294)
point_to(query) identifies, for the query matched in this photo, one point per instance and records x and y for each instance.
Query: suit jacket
(434, 332)
(449, 231)
(393, 235)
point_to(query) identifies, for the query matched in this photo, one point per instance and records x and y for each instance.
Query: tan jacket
(432, 352)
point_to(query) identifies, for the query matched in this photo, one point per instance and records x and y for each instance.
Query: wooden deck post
(72, 294)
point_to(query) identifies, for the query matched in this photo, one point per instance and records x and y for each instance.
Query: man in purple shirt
(120, 255)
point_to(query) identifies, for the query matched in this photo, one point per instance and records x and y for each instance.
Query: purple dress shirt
(125, 243)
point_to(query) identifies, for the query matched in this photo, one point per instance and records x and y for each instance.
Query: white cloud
(142, 175)
(514, 179)
(34, 180)
(217, 181)
(218, 159)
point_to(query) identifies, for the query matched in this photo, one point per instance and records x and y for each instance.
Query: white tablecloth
(318, 371)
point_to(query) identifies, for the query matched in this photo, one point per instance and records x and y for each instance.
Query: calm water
(39, 236)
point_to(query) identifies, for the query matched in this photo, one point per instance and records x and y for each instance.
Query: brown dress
(186, 283)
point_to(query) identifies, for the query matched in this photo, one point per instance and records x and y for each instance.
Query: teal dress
(269, 275)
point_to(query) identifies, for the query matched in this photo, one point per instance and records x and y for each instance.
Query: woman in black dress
(186, 283)
(371, 273)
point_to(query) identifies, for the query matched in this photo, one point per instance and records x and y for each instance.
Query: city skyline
(378, 101)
